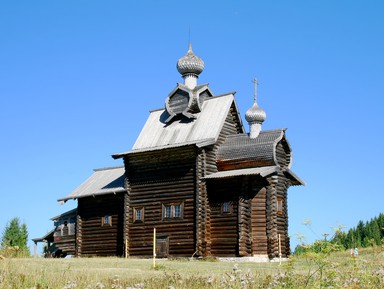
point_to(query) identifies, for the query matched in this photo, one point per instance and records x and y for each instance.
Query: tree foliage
(15, 237)
(363, 235)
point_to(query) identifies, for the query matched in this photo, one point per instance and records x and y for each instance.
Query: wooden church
(194, 174)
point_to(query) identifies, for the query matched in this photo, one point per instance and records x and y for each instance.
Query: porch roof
(47, 236)
(262, 171)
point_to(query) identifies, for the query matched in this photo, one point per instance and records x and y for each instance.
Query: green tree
(380, 222)
(15, 237)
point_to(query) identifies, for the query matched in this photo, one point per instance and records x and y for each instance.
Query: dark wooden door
(162, 247)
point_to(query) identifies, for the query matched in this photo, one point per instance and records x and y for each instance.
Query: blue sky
(77, 79)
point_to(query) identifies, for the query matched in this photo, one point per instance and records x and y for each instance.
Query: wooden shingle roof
(260, 151)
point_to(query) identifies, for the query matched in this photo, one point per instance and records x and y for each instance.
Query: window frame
(229, 207)
(280, 206)
(106, 220)
(135, 214)
(173, 211)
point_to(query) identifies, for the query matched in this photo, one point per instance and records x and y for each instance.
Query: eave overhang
(45, 237)
(95, 194)
(295, 180)
(102, 182)
(262, 171)
(68, 213)
(199, 144)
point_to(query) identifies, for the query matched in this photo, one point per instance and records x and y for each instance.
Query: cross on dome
(255, 116)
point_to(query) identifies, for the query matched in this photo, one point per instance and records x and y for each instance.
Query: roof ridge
(274, 130)
(221, 95)
(108, 168)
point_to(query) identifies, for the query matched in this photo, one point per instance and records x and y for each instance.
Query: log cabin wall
(79, 235)
(283, 154)
(202, 209)
(244, 219)
(100, 232)
(126, 216)
(271, 213)
(224, 225)
(277, 215)
(282, 215)
(206, 165)
(231, 126)
(258, 195)
(158, 179)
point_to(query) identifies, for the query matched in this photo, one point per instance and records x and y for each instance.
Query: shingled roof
(240, 155)
(101, 182)
(261, 151)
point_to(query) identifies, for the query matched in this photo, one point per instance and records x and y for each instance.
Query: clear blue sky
(77, 79)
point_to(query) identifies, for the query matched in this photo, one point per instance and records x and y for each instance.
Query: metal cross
(255, 93)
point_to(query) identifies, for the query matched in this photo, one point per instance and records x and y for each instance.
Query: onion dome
(255, 114)
(190, 63)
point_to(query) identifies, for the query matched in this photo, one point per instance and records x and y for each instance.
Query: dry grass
(311, 271)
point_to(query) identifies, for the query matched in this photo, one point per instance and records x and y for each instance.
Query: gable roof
(101, 182)
(204, 130)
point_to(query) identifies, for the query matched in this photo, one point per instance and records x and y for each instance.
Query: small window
(226, 208)
(177, 211)
(173, 211)
(138, 214)
(279, 206)
(106, 220)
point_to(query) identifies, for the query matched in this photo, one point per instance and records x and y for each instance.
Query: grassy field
(338, 270)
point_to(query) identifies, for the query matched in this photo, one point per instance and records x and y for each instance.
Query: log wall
(277, 223)
(283, 154)
(259, 217)
(202, 209)
(94, 238)
(224, 226)
(230, 127)
(206, 164)
(244, 219)
(66, 244)
(157, 178)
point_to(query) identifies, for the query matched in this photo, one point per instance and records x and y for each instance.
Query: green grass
(338, 270)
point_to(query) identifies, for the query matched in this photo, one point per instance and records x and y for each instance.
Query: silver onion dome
(255, 114)
(190, 63)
